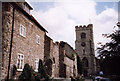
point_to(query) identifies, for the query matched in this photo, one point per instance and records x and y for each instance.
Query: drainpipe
(11, 44)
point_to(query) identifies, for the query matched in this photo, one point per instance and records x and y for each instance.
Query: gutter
(11, 44)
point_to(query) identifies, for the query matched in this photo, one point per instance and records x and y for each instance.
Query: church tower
(84, 46)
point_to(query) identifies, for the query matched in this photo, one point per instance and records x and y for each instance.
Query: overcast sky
(60, 18)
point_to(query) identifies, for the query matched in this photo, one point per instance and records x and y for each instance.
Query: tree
(14, 71)
(79, 65)
(110, 54)
(42, 71)
(27, 74)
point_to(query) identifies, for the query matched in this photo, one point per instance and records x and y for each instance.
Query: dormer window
(27, 7)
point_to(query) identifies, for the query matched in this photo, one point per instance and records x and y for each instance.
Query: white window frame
(22, 30)
(20, 61)
(36, 64)
(37, 39)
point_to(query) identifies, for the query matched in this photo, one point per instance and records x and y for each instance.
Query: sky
(60, 18)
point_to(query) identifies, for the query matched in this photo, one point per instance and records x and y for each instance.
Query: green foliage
(109, 54)
(73, 56)
(41, 71)
(27, 74)
(112, 48)
(79, 65)
(14, 70)
(37, 76)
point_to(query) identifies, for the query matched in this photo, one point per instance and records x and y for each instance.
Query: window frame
(21, 60)
(36, 64)
(22, 32)
(37, 39)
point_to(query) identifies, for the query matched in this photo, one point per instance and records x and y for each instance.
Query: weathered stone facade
(0, 42)
(67, 61)
(51, 57)
(55, 57)
(84, 45)
(25, 45)
(60, 59)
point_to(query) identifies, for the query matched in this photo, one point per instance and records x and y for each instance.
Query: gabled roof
(28, 16)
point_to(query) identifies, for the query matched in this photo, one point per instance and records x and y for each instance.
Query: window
(36, 64)
(20, 62)
(53, 59)
(38, 39)
(83, 51)
(26, 8)
(85, 62)
(83, 35)
(22, 30)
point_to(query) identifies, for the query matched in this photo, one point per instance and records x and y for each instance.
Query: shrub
(14, 70)
(37, 76)
(79, 65)
(42, 72)
(27, 74)
(41, 69)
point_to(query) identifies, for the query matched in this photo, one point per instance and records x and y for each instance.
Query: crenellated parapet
(84, 27)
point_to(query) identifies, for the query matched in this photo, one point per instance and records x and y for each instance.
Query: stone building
(60, 59)
(67, 61)
(51, 57)
(84, 46)
(27, 45)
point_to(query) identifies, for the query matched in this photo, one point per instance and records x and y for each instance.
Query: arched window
(53, 59)
(83, 35)
(85, 62)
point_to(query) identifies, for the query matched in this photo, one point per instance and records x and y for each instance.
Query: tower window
(85, 62)
(83, 51)
(53, 59)
(83, 35)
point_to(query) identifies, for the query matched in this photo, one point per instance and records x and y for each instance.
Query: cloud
(104, 23)
(60, 20)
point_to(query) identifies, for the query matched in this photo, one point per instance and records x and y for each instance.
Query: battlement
(84, 26)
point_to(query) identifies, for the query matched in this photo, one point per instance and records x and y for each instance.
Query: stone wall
(69, 67)
(70, 60)
(48, 50)
(55, 57)
(25, 45)
(6, 35)
(51, 57)
(0, 41)
(68, 63)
